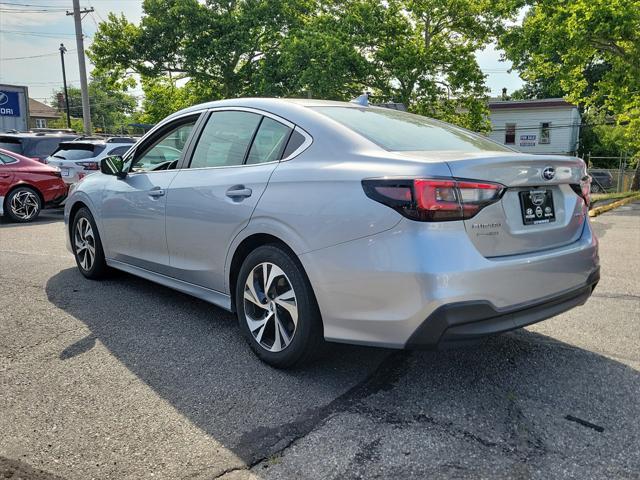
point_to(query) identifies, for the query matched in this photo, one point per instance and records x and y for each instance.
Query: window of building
(510, 134)
(545, 132)
(41, 123)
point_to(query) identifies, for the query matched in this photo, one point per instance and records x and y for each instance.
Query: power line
(29, 5)
(39, 34)
(31, 56)
(24, 10)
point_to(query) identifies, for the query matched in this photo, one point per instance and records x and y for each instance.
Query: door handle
(156, 192)
(239, 191)
(4, 175)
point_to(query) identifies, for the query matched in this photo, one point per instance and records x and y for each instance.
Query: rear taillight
(433, 200)
(584, 189)
(88, 165)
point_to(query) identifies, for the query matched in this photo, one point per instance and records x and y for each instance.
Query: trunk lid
(535, 183)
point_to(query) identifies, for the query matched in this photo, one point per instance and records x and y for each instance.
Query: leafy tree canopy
(110, 104)
(419, 52)
(587, 49)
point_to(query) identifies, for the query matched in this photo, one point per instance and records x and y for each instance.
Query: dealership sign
(528, 140)
(9, 104)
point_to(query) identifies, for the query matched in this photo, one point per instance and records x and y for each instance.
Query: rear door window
(268, 142)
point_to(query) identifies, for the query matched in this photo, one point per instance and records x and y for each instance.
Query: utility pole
(63, 50)
(77, 19)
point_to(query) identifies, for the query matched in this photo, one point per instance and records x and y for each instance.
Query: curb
(605, 208)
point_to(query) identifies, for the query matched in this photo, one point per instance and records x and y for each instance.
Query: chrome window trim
(306, 144)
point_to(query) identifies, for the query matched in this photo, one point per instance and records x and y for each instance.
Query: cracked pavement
(125, 379)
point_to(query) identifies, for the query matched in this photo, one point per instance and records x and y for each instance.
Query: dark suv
(601, 180)
(36, 145)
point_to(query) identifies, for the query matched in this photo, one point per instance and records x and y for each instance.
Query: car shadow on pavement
(514, 393)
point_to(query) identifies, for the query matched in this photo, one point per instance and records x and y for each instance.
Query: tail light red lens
(88, 165)
(433, 200)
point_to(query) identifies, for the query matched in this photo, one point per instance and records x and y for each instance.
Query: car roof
(278, 106)
(39, 135)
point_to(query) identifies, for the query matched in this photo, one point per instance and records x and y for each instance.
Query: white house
(550, 125)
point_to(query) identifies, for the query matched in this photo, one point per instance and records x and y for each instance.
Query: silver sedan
(317, 220)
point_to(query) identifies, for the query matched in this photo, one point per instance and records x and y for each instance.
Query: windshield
(400, 131)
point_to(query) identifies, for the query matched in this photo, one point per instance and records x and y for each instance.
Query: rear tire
(87, 246)
(276, 308)
(23, 205)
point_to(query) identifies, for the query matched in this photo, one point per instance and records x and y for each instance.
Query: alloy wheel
(270, 307)
(25, 205)
(85, 243)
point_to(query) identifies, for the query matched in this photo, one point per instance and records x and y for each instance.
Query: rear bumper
(419, 283)
(468, 321)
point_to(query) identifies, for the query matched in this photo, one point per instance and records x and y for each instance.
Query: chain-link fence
(611, 180)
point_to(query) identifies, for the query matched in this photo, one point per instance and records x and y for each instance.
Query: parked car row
(36, 168)
(78, 158)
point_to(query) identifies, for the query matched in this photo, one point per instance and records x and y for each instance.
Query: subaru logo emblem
(548, 173)
(4, 98)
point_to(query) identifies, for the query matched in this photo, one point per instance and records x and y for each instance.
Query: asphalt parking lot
(125, 379)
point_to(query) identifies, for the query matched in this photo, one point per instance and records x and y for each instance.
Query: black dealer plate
(537, 207)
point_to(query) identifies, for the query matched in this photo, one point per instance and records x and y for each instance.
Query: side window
(269, 142)
(294, 143)
(225, 139)
(165, 152)
(6, 159)
(119, 151)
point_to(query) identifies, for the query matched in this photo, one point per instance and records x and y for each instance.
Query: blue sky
(35, 29)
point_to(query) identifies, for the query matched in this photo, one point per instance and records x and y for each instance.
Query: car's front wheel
(23, 205)
(276, 308)
(86, 244)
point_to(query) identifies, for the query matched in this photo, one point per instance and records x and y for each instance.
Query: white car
(81, 157)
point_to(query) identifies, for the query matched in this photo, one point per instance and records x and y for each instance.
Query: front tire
(23, 205)
(276, 308)
(87, 246)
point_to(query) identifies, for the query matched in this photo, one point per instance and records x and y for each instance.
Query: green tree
(590, 49)
(418, 52)
(110, 104)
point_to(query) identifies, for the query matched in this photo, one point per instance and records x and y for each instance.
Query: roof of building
(497, 103)
(40, 110)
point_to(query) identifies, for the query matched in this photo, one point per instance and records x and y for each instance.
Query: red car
(26, 186)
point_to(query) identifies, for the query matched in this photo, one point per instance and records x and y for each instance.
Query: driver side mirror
(113, 165)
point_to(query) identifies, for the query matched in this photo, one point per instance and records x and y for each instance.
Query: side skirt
(212, 296)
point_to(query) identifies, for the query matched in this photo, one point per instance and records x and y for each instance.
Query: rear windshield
(12, 145)
(401, 131)
(78, 152)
